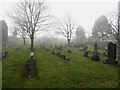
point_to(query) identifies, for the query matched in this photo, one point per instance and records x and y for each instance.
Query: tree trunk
(32, 44)
(24, 41)
(68, 42)
(118, 51)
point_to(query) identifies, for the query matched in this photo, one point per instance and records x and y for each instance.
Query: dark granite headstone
(69, 51)
(111, 53)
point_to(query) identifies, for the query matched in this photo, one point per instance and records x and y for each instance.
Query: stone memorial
(95, 55)
(111, 53)
(69, 51)
(4, 54)
(105, 51)
(53, 51)
(31, 66)
(85, 49)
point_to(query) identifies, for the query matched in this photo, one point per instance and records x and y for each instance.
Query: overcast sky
(84, 12)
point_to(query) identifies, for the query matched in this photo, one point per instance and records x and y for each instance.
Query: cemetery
(42, 50)
(50, 68)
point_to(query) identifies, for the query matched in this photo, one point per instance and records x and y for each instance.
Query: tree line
(32, 16)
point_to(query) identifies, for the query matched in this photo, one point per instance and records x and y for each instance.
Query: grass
(0, 74)
(52, 72)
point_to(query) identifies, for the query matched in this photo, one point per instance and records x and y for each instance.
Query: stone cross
(96, 48)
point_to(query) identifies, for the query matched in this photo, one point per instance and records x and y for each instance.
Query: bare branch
(66, 27)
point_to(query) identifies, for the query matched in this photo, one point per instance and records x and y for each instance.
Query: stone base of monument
(95, 58)
(111, 61)
(30, 68)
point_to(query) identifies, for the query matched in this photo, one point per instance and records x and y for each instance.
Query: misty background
(83, 12)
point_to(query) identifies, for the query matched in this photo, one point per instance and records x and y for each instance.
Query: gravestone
(47, 49)
(43, 45)
(111, 53)
(95, 55)
(69, 51)
(105, 51)
(4, 54)
(30, 66)
(85, 49)
(96, 48)
(60, 47)
(58, 54)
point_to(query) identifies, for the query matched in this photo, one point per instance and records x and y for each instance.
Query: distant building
(3, 32)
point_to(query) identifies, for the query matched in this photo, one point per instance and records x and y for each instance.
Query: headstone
(53, 51)
(43, 45)
(95, 55)
(60, 47)
(105, 51)
(69, 51)
(47, 49)
(4, 54)
(85, 49)
(58, 54)
(111, 53)
(96, 48)
(31, 67)
(64, 58)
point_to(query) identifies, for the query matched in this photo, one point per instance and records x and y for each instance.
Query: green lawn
(52, 72)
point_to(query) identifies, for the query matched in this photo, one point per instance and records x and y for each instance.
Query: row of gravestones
(30, 67)
(58, 54)
(55, 46)
(58, 47)
(95, 55)
(76, 46)
(111, 54)
(5, 53)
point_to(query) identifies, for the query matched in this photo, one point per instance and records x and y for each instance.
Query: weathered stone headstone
(30, 66)
(53, 51)
(105, 51)
(4, 54)
(85, 49)
(111, 53)
(60, 47)
(95, 55)
(43, 45)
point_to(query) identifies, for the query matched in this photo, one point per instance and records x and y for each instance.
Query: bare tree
(20, 33)
(115, 29)
(66, 28)
(31, 17)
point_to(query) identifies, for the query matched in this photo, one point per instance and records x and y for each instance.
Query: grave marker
(111, 53)
(95, 55)
(85, 49)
